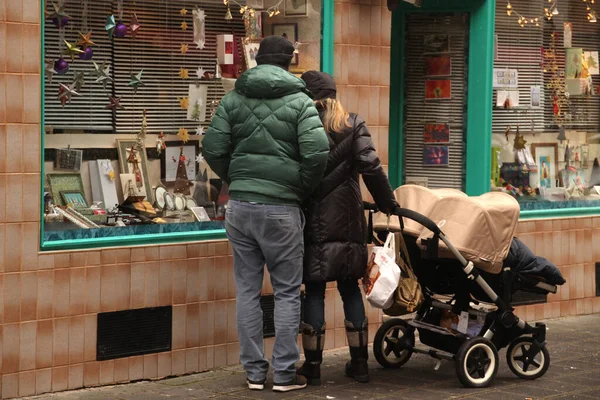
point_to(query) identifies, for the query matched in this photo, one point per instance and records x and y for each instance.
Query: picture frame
(168, 167)
(438, 66)
(75, 198)
(436, 43)
(200, 214)
(436, 156)
(436, 133)
(295, 8)
(63, 182)
(288, 31)
(546, 159)
(438, 89)
(124, 147)
(250, 50)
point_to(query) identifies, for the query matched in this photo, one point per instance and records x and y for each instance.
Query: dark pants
(314, 303)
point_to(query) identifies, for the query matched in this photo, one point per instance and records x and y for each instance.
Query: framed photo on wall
(169, 160)
(546, 159)
(296, 8)
(135, 162)
(288, 31)
(250, 52)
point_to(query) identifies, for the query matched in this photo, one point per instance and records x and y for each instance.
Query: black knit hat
(320, 84)
(275, 50)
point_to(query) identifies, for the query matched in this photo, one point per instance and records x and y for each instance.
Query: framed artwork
(436, 66)
(573, 63)
(253, 26)
(132, 161)
(74, 198)
(70, 182)
(288, 31)
(436, 156)
(436, 43)
(296, 8)
(508, 98)
(438, 89)
(250, 52)
(506, 78)
(546, 159)
(436, 133)
(591, 59)
(535, 96)
(169, 160)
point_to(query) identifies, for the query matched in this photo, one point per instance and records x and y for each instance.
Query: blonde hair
(335, 118)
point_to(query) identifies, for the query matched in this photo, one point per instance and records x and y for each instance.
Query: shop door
(436, 60)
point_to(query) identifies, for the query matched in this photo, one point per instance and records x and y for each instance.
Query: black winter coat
(335, 232)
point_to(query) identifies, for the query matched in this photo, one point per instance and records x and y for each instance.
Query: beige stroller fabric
(415, 198)
(481, 228)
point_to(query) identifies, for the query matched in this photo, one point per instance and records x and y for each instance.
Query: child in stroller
(455, 285)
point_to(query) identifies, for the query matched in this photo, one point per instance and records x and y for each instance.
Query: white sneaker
(299, 382)
(256, 385)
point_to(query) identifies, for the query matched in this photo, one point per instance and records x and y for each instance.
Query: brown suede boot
(358, 338)
(313, 344)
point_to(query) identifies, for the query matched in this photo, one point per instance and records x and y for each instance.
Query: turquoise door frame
(479, 88)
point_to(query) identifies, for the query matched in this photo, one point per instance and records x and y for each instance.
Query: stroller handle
(419, 218)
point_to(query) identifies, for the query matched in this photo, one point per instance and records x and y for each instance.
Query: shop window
(546, 117)
(129, 89)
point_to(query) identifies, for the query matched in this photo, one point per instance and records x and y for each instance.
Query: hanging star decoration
(183, 135)
(136, 81)
(183, 11)
(115, 103)
(110, 25)
(79, 80)
(184, 48)
(519, 143)
(199, 158)
(184, 26)
(200, 130)
(135, 25)
(65, 93)
(200, 72)
(71, 50)
(102, 73)
(184, 73)
(49, 70)
(85, 41)
(184, 103)
(59, 12)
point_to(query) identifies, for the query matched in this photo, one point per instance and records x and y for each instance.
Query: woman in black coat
(335, 233)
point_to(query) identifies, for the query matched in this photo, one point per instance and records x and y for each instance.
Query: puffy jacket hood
(268, 82)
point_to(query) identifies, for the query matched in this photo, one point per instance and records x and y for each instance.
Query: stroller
(457, 280)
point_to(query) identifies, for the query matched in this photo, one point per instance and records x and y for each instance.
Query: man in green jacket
(267, 142)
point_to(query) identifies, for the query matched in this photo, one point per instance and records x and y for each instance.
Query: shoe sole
(287, 388)
(256, 386)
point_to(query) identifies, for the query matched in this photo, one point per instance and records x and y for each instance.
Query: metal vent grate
(267, 303)
(134, 332)
(521, 298)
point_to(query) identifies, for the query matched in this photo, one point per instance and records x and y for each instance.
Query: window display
(129, 90)
(546, 125)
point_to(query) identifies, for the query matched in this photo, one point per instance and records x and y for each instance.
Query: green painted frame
(479, 101)
(327, 60)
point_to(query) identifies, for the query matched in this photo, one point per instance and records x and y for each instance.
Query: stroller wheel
(477, 362)
(523, 363)
(389, 346)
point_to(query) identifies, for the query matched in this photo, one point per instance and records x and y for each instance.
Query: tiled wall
(49, 302)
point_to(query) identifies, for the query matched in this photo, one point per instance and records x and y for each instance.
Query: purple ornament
(87, 54)
(61, 66)
(120, 30)
(64, 21)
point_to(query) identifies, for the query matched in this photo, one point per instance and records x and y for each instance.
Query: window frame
(327, 65)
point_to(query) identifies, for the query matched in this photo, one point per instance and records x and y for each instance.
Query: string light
(249, 11)
(522, 20)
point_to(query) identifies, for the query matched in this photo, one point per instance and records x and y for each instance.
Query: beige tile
(353, 72)
(123, 256)
(374, 113)
(92, 289)
(137, 285)
(14, 204)
(364, 28)
(193, 251)
(92, 258)
(150, 366)
(152, 254)
(60, 379)
(90, 337)
(2, 148)
(45, 297)
(32, 60)
(354, 23)
(233, 353)
(75, 376)
(77, 259)
(122, 286)
(2, 87)
(576, 281)
(375, 26)
(138, 255)
(385, 66)
(28, 296)
(231, 288)
(344, 65)
(77, 291)
(12, 298)
(590, 280)
(108, 257)
(596, 305)
(352, 99)
(62, 279)
(10, 386)
(210, 357)
(60, 348)
(202, 358)
(14, 63)
(588, 248)
(31, 187)
(10, 347)
(220, 356)
(31, 11)
(191, 360)
(27, 383)
(207, 316)
(232, 335)
(27, 346)
(364, 93)
(136, 368)
(121, 370)
(179, 326)
(91, 374)
(43, 357)
(178, 362)
(14, 11)
(179, 282)
(343, 10)
(180, 252)
(151, 284)
(76, 339)
(588, 305)
(107, 372)
(337, 25)
(374, 72)
(107, 288)
(192, 338)
(164, 365)
(43, 381)
(192, 276)
(220, 322)
(14, 108)
(166, 252)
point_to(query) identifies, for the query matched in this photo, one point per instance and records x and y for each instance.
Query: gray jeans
(270, 234)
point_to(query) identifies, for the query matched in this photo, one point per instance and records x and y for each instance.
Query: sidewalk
(574, 345)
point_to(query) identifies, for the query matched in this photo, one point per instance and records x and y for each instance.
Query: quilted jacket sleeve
(314, 147)
(370, 167)
(217, 145)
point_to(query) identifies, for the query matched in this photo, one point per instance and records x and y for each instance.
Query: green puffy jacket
(266, 139)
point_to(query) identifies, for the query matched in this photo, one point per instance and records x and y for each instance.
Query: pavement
(573, 343)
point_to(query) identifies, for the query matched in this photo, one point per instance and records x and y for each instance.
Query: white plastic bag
(383, 275)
